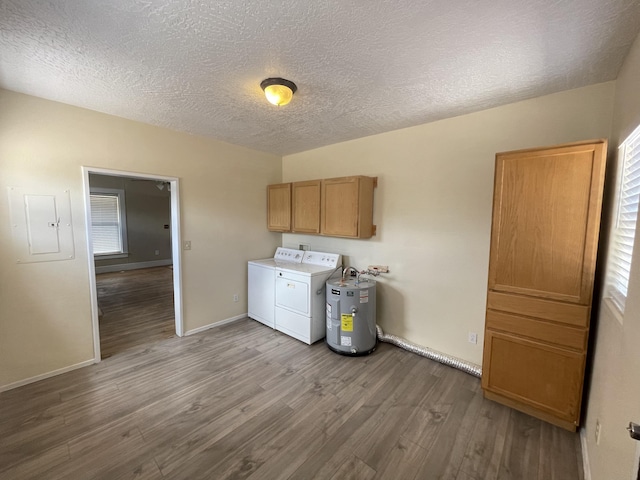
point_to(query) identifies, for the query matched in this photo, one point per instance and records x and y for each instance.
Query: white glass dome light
(278, 91)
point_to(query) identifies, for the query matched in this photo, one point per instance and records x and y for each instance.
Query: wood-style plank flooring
(245, 402)
(137, 308)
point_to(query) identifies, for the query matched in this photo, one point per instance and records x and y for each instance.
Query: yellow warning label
(347, 322)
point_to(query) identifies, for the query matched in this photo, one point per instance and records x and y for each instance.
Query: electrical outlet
(235, 297)
(598, 431)
(186, 245)
(473, 337)
(303, 246)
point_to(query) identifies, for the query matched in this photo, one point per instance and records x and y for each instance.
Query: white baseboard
(133, 266)
(586, 466)
(37, 378)
(26, 381)
(217, 324)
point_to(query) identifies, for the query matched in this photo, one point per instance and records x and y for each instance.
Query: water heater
(351, 316)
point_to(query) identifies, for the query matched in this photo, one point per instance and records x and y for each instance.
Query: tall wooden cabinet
(544, 238)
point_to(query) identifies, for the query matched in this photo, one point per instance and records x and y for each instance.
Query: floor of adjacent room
(245, 401)
(136, 308)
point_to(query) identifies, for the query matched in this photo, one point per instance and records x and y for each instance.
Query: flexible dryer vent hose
(467, 367)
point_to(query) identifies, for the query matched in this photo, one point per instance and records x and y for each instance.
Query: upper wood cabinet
(337, 207)
(544, 238)
(306, 207)
(347, 207)
(279, 207)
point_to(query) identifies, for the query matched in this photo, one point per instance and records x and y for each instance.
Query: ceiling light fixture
(278, 90)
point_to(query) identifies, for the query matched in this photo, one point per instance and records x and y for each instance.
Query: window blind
(106, 227)
(625, 226)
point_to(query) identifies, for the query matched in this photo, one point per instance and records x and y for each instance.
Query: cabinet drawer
(560, 312)
(570, 337)
(541, 376)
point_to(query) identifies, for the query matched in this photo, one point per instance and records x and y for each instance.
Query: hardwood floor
(245, 402)
(137, 308)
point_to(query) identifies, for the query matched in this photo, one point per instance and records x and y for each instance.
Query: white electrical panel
(41, 225)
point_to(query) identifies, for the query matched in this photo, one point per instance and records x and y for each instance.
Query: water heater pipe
(467, 367)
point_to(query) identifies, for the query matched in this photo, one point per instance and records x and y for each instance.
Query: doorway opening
(135, 274)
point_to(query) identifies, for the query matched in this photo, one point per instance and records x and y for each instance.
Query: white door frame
(176, 242)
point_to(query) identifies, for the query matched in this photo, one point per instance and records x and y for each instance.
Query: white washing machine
(261, 284)
(287, 292)
(300, 295)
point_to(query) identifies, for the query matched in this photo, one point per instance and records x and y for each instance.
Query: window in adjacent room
(108, 222)
(626, 215)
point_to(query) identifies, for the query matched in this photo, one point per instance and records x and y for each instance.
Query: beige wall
(614, 396)
(433, 207)
(45, 316)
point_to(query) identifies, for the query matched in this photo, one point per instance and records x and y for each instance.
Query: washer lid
(265, 262)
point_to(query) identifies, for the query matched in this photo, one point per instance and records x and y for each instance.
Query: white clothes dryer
(300, 295)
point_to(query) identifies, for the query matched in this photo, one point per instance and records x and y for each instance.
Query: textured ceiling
(362, 67)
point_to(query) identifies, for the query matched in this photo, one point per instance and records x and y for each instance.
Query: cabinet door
(546, 214)
(279, 207)
(347, 207)
(340, 207)
(544, 377)
(306, 206)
